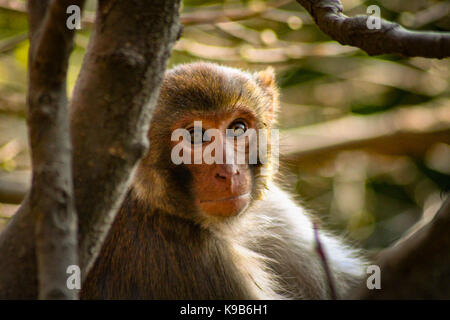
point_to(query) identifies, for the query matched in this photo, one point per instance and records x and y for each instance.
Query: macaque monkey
(217, 230)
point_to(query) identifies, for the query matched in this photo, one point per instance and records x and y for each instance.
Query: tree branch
(196, 17)
(216, 16)
(10, 43)
(390, 38)
(12, 192)
(51, 194)
(417, 268)
(324, 260)
(14, 5)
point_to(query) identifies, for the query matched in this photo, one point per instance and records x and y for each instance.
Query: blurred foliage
(373, 197)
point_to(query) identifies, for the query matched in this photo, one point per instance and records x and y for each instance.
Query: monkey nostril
(218, 176)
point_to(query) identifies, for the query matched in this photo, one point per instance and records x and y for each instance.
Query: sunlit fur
(160, 247)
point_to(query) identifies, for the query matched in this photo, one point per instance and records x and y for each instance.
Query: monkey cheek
(225, 208)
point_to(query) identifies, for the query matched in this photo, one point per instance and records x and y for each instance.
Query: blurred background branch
(401, 131)
(189, 18)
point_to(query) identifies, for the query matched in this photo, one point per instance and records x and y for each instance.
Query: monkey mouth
(244, 195)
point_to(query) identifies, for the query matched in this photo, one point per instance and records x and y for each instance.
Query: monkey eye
(196, 137)
(238, 128)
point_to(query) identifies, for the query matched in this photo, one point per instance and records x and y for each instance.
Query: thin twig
(216, 16)
(323, 258)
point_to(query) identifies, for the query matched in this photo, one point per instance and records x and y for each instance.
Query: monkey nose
(226, 172)
(220, 177)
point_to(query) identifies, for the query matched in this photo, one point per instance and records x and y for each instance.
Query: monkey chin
(225, 207)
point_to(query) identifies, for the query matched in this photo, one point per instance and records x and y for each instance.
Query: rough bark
(390, 38)
(51, 194)
(110, 113)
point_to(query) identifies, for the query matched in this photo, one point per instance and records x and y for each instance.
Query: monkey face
(217, 157)
(202, 171)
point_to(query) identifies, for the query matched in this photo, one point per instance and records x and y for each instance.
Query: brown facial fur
(219, 189)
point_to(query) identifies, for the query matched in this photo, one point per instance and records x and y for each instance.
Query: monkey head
(208, 106)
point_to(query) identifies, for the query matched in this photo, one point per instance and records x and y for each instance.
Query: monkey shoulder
(282, 231)
(279, 213)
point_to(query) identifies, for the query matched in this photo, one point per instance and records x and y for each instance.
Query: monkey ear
(266, 79)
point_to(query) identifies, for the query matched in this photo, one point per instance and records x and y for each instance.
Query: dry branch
(390, 38)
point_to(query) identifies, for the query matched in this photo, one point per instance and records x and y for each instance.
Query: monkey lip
(224, 207)
(241, 196)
